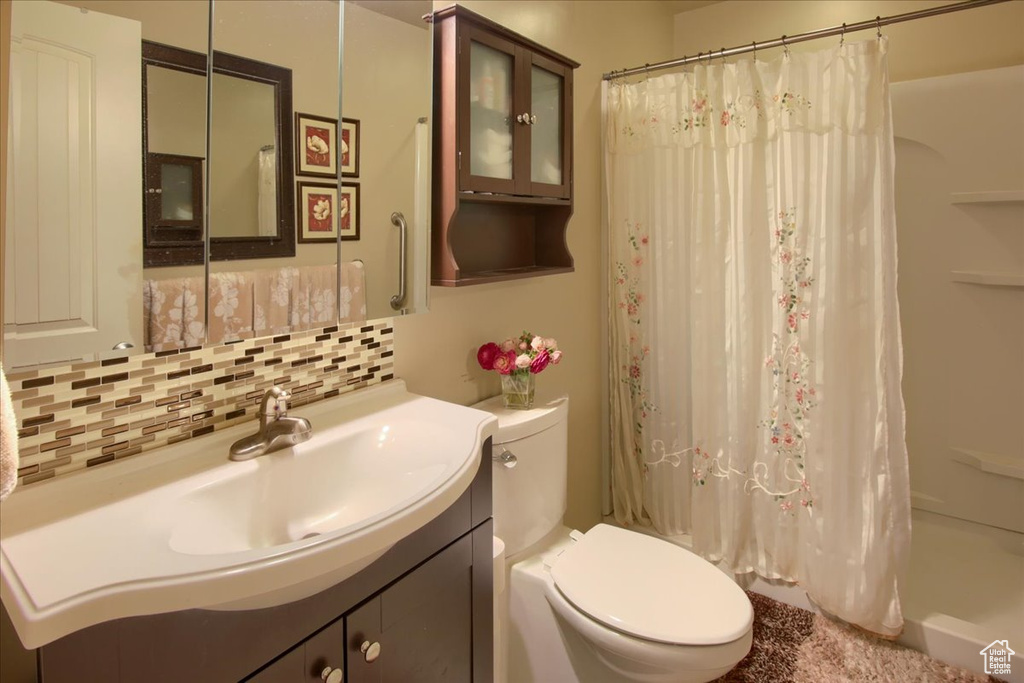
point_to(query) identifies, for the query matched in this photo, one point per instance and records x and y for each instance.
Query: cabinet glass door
(490, 111)
(546, 126)
(549, 125)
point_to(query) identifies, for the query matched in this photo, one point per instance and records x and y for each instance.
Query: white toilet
(610, 604)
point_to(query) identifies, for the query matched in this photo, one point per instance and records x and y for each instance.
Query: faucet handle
(275, 403)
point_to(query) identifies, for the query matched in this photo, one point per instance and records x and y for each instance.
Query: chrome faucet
(277, 430)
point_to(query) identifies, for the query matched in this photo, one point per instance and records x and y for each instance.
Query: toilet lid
(651, 589)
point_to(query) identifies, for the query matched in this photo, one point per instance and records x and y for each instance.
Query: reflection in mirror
(174, 143)
(252, 215)
(245, 159)
(74, 277)
(387, 88)
(251, 298)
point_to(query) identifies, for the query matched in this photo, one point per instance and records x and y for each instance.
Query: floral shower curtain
(756, 353)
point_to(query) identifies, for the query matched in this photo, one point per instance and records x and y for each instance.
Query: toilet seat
(651, 589)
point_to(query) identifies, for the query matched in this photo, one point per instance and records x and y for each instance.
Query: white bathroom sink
(184, 527)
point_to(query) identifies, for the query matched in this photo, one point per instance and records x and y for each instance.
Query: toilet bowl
(607, 606)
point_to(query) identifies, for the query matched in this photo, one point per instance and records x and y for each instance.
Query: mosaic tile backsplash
(91, 413)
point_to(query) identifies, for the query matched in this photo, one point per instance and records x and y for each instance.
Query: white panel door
(73, 271)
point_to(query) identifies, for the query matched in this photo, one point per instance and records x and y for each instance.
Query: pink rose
(550, 343)
(508, 345)
(523, 361)
(505, 363)
(556, 356)
(486, 354)
(537, 343)
(540, 362)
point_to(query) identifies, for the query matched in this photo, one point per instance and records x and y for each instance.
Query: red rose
(540, 362)
(505, 363)
(486, 355)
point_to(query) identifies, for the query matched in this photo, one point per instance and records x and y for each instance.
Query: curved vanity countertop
(183, 527)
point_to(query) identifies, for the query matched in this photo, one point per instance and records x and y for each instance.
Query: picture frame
(351, 209)
(317, 212)
(349, 148)
(325, 212)
(316, 146)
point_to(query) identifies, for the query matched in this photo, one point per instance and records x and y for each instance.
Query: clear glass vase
(517, 390)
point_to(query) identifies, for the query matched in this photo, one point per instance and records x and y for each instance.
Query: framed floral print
(348, 211)
(349, 148)
(318, 212)
(316, 146)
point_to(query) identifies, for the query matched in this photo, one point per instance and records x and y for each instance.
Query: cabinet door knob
(521, 118)
(371, 650)
(332, 675)
(506, 458)
(533, 119)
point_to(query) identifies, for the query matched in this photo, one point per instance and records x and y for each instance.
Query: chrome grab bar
(398, 220)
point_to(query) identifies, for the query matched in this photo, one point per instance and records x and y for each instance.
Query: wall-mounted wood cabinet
(503, 151)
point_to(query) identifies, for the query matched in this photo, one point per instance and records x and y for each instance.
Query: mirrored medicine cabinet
(161, 199)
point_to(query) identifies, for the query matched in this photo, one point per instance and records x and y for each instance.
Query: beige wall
(436, 353)
(983, 38)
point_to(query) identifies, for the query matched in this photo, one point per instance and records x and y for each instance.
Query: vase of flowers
(518, 361)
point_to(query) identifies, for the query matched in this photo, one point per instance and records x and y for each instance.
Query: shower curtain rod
(876, 23)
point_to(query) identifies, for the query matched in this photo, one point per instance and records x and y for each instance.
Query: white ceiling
(409, 11)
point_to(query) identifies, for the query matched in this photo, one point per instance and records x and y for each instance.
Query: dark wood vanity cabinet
(503, 149)
(419, 629)
(423, 612)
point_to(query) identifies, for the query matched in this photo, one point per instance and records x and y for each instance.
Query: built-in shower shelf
(993, 464)
(989, 278)
(989, 197)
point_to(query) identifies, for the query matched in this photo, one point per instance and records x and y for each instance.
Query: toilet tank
(529, 499)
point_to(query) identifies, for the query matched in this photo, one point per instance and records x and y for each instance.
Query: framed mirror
(249, 129)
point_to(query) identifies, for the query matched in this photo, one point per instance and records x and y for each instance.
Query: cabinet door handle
(332, 675)
(370, 650)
